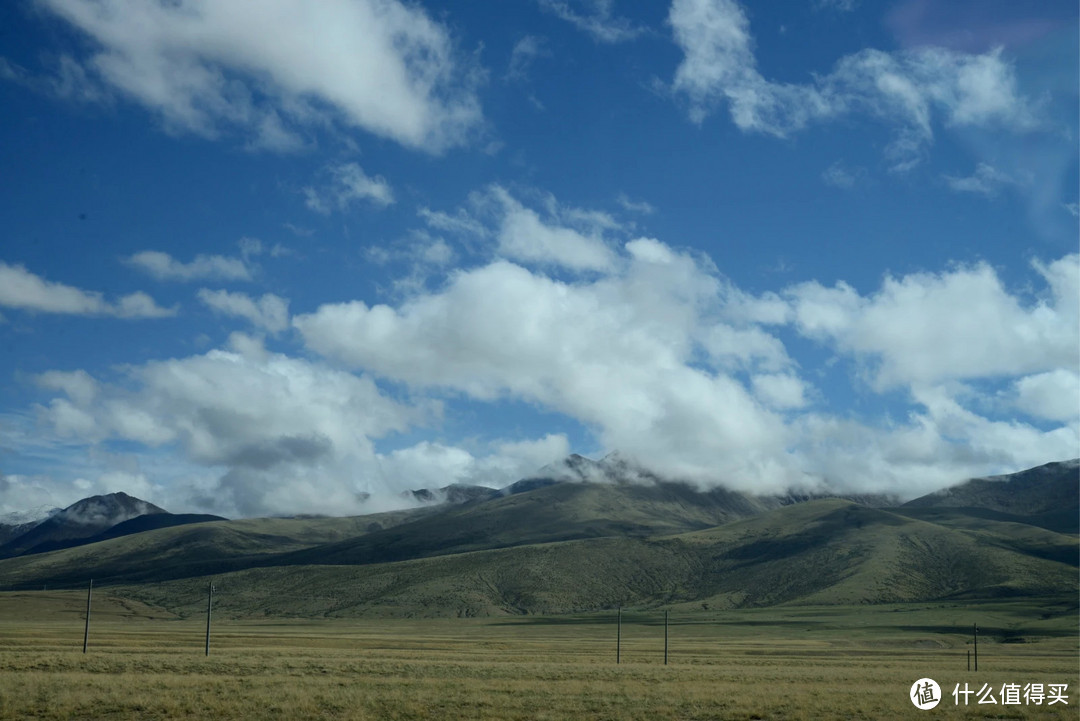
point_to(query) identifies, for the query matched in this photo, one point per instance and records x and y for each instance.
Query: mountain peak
(107, 510)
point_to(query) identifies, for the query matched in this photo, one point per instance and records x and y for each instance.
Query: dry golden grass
(774, 664)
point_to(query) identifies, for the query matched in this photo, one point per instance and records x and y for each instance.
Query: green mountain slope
(544, 514)
(189, 550)
(559, 547)
(1047, 496)
(820, 552)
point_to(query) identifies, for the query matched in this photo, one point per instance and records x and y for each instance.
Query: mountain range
(583, 535)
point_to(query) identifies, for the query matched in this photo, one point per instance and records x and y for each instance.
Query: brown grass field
(789, 663)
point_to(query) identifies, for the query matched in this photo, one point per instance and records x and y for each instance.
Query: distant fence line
(608, 615)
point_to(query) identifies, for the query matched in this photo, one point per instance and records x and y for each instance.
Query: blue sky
(269, 257)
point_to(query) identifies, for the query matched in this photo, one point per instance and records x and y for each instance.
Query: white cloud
(422, 250)
(434, 465)
(270, 312)
(272, 69)
(641, 206)
(163, 266)
(986, 180)
(545, 233)
(907, 88)
(613, 353)
(1054, 395)
(647, 354)
(140, 305)
(524, 236)
(460, 223)
(80, 386)
(284, 430)
(256, 432)
(596, 19)
(732, 348)
(349, 183)
(19, 288)
(936, 447)
(780, 390)
(926, 328)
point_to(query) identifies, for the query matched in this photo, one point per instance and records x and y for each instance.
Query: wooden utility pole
(665, 636)
(209, 606)
(86, 631)
(618, 638)
(976, 646)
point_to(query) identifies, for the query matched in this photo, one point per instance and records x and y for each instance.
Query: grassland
(777, 663)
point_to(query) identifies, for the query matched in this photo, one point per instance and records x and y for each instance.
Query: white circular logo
(925, 694)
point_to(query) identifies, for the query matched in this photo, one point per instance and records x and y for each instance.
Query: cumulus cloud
(274, 434)
(524, 236)
(653, 351)
(435, 465)
(260, 416)
(1053, 395)
(780, 390)
(19, 288)
(349, 183)
(163, 266)
(543, 233)
(273, 69)
(594, 17)
(931, 327)
(613, 353)
(271, 312)
(649, 354)
(908, 89)
(935, 447)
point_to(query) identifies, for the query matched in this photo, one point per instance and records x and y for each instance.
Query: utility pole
(665, 636)
(86, 631)
(209, 606)
(618, 638)
(976, 647)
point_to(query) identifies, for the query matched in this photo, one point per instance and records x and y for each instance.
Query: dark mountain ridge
(82, 519)
(1046, 496)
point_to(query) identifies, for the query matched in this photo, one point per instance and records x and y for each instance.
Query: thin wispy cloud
(913, 90)
(23, 290)
(162, 266)
(348, 184)
(597, 18)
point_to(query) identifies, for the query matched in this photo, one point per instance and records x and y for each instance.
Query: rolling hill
(550, 545)
(820, 552)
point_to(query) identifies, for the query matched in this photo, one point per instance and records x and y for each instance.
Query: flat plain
(777, 663)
